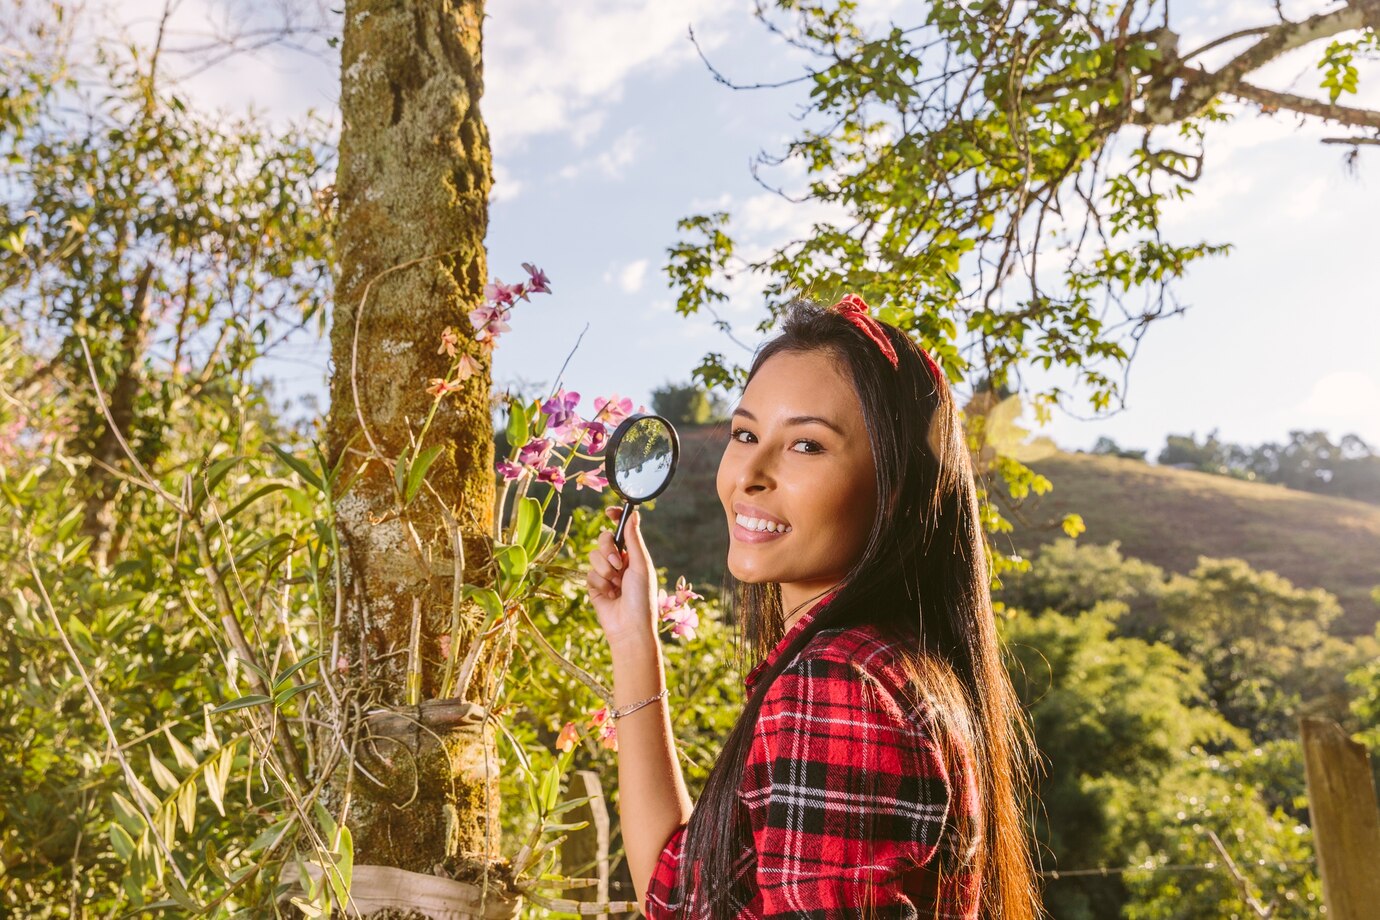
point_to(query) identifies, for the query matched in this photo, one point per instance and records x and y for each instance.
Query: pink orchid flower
(441, 387)
(509, 469)
(676, 609)
(560, 407)
(568, 736)
(450, 342)
(535, 452)
(538, 283)
(466, 367)
(613, 410)
(552, 474)
(591, 479)
(595, 435)
(608, 735)
(489, 322)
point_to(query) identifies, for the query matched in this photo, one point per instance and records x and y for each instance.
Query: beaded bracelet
(618, 714)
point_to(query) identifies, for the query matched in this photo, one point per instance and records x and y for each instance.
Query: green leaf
(550, 789)
(299, 467)
(284, 695)
(345, 864)
(287, 675)
(489, 600)
(121, 841)
(517, 424)
(512, 566)
(529, 525)
(251, 498)
(127, 813)
(417, 472)
(269, 836)
(253, 699)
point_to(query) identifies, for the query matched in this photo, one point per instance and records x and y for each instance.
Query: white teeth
(762, 525)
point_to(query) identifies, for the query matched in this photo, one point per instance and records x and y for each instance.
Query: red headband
(854, 309)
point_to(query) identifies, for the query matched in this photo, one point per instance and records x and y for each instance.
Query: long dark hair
(923, 578)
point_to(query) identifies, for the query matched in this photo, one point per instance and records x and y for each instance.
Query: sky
(607, 128)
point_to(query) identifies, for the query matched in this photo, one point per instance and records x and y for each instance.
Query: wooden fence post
(1345, 818)
(585, 853)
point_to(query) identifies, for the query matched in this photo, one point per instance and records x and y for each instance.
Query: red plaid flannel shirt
(834, 740)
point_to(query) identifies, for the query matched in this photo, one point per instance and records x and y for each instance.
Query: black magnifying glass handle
(622, 521)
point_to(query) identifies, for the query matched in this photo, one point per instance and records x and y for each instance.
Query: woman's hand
(623, 591)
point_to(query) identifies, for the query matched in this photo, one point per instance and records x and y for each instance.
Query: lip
(753, 511)
(744, 535)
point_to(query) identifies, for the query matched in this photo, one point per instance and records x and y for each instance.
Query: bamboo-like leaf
(186, 806)
(251, 498)
(287, 675)
(299, 467)
(270, 836)
(127, 813)
(253, 699)
(121, 841)
(185, 759)
(141, 791)
(517, 432)
(307, 908)
(284, 695)
(161, 774)
(214, 788)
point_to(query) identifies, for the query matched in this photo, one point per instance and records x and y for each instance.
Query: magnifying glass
(639, 461)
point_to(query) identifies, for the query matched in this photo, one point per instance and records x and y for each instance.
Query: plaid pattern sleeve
(834, 755)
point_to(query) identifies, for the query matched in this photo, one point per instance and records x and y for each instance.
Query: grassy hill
(1170, 516)
(1163, 515)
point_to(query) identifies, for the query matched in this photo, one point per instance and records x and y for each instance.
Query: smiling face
(815, 476)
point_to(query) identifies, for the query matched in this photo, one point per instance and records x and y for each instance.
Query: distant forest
(1308, 461)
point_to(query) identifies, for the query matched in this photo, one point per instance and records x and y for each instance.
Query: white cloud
(1344, 401)
(613, 160)
(631, 278)
(552, 67)
(506, 187)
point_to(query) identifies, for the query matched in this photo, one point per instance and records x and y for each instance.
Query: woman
(879, 767)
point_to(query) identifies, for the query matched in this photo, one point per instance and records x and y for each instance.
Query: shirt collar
(801, 622)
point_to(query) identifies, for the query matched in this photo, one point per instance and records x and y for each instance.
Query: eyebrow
(797, 420)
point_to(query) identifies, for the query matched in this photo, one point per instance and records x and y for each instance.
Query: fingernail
(616, 562)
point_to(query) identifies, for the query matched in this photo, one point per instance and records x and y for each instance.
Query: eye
(817, 448)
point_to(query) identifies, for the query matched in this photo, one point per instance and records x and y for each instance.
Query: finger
(602, 584)
(599, 561)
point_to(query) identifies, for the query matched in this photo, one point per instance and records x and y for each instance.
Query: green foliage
(1071, 577)
(688, 404)
(1130, 780)
(1263, 643)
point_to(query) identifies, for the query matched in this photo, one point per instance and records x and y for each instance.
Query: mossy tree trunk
(412, 194)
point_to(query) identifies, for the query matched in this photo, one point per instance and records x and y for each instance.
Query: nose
(757, 473)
